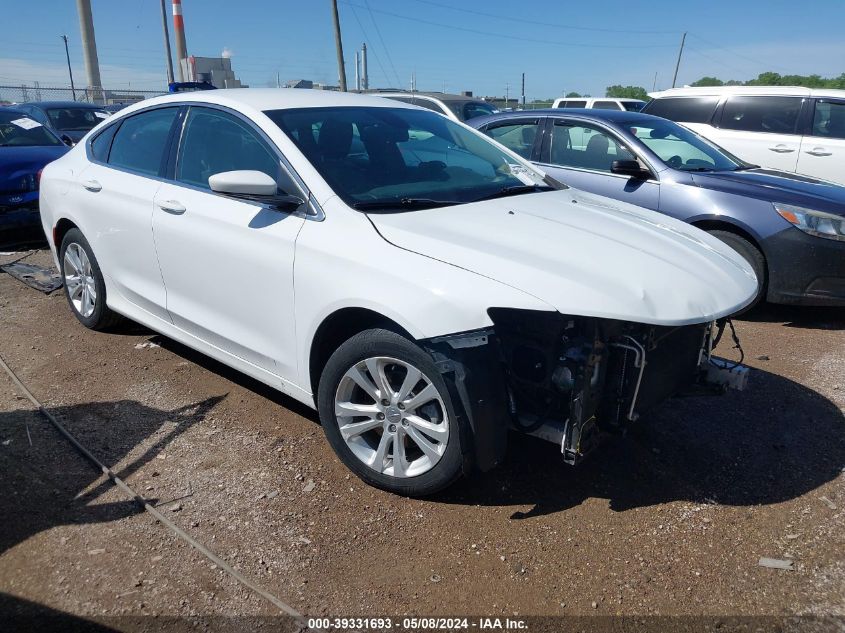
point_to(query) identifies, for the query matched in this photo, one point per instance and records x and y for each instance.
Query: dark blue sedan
(26, 147)
(69, 120)
(791, 228)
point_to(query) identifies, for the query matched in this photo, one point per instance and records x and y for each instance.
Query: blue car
(26, 147)
(791, 228)
(69, 120)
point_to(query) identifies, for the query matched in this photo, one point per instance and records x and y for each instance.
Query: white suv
(599, 104)
(791, 129)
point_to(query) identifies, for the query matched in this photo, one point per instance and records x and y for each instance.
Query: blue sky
(561, 46)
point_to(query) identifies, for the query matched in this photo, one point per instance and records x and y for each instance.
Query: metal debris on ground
(46, 280)
(776, 563)
(147, 344)
(828, 503)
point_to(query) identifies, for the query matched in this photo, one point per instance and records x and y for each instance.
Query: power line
(511, 18)
(507, 36)
(383, 45)
(367, 37)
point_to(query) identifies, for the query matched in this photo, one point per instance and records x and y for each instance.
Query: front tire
(387, 413)
(753, 256)
(85, 288)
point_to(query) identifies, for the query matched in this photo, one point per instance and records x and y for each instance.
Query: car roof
(620, 99)
(264, 99)
(586, 114)
(704, 91)
(442, 96)
(63, 104)
(14, 110)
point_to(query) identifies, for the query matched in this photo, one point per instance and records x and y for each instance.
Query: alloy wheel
(392, 417)
(79, 280)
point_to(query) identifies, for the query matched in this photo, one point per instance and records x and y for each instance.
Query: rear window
(774, 115)
(633, 106)
(474, 109)
(683, 109)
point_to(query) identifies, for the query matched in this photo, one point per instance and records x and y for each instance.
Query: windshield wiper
(515, 190)
(403, 204)
(745, 167)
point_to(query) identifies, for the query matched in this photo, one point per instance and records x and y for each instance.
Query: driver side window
(215, 141)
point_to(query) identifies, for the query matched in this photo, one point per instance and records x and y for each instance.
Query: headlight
(816, 223)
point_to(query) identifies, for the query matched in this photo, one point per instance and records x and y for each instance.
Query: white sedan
(422, 287)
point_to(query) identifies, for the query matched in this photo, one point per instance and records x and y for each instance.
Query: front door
(227, 263)
(823, 151)
(581, 155)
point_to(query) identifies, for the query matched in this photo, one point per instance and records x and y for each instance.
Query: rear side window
(829, 119)
(139, 143)
(633, 106)
(573, 104)
(606, 105)
(683, 109)
(101, 144)
(774, 115)
(516, 136)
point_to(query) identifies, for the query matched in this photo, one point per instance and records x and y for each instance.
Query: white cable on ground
(143, 502)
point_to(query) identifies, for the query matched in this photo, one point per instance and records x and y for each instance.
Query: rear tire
(85, 288)
(753, 256)
(410, 412)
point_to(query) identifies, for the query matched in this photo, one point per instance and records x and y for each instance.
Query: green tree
(707, 82)
(572, 95)
(626, 92)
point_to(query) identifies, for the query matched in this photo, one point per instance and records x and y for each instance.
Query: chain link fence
(100, 96)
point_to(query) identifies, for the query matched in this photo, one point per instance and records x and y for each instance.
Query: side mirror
(253, 185)
(630, 168)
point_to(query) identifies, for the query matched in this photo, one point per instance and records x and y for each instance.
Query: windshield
(75, 119)
(473, 109)
(17, 129)
(681, 148)
(403, 158)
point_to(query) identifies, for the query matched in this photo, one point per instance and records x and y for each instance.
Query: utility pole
(523, 91)
(341, 69)
(507, 95)
(167, 44)
(678, 64)
(89, 48)
(69, 70)
(654, 85)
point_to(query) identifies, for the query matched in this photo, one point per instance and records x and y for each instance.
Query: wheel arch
(61, 229)
(730, 227)
(340, 326)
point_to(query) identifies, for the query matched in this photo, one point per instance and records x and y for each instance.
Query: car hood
(17, 162)
(777, 186)
(584, 255)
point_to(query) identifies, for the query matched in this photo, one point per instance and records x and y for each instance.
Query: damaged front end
(570, 379)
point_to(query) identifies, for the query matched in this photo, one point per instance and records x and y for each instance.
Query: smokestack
(89, 45)
(179, 36)
(365, 76)
(357, 70)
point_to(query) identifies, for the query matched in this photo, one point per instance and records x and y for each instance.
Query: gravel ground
(669, 521)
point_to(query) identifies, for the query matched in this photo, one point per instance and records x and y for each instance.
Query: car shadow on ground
(48, 484)
(812, 318)
(774, 442)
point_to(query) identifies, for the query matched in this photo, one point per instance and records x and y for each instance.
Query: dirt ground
(669, 521)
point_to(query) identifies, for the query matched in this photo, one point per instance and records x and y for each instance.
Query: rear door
(117, 187)
(581, 154)
(762, 130)
(823, 150)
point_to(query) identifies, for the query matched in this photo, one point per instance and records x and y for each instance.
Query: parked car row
(790, 228)
(423, 287)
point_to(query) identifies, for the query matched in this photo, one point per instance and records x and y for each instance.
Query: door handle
(92, 185)
(171, 206)
(818, 151)
(781, 149)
